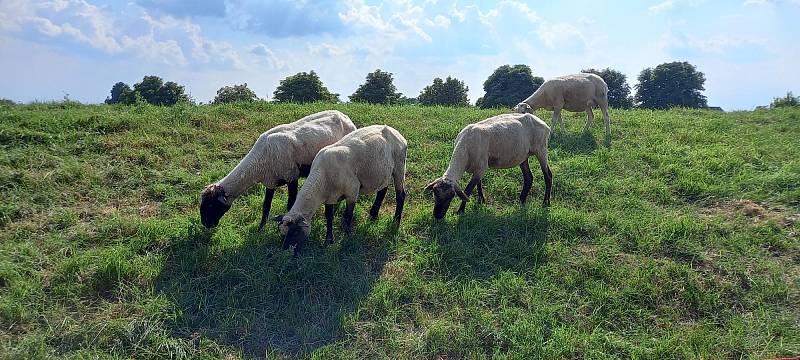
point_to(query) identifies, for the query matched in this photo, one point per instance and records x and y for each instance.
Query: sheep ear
(277, 218)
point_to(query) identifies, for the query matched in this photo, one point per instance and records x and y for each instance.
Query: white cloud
(85, 23)
(553, 35)
(268, 55)
(438, 21)
(662, 7)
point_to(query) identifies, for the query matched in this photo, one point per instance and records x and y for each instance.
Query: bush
(450, 92)
(303, 87)
(235, 93)
(378, 89)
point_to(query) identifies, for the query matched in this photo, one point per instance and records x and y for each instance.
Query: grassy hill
(680, 240)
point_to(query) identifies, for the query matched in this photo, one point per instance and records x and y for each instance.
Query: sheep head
(294, 230)
(213, 204)
(444, 190)
(523, 108)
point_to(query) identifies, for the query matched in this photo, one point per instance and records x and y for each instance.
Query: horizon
(81, 48)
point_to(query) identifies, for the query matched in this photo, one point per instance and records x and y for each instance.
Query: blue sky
(748, 49)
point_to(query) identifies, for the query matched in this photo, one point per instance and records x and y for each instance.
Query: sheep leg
(527, 181)
(329, 210)
(347, 218)
(292, 186)
(400, 198)
(606, 121)
(376, 206)
(399, 178)
(557, 113)
(468, 192)
(265, 208)
(481, 199)
(555, 121)
(589, 119)
(548, 176)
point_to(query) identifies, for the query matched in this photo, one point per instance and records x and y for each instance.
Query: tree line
(674, 84)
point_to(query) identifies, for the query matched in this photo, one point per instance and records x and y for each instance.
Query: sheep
(500, 142)
(578, 92)
(362, 162)
(279, 157)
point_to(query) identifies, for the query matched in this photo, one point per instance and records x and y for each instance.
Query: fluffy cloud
(77, 20)
(662, 7)
(265, 53)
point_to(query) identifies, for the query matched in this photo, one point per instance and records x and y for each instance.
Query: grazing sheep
(499, 142)
(362, 162)
(279, 157)
(579, 92)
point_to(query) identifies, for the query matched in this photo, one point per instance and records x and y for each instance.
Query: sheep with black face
(279, 157)
(363, 162)
(500, 142)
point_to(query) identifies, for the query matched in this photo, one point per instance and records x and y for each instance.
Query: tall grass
(680, 240)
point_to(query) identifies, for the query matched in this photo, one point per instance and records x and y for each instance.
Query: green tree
(235, 93)
(170, 94)
(121, 93)
(303, 87)
(378, 89)
(508, 85)
(450, 92)
(675, 84)
(149, 88)
(788, 100)
(619, 92)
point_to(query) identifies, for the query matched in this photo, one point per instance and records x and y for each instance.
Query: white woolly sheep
(279, 157)
(499, 142)
(362, 162)
(576, 93)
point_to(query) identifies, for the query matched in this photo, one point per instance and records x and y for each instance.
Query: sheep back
(576, 91)
(362, 162)
(502, 141)
(284, 147)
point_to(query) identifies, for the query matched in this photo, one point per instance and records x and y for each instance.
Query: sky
(747, 49)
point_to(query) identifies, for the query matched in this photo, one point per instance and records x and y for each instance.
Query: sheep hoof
(328, 241)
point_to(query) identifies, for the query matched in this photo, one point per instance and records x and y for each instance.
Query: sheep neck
(458, 164)
(311, 195)
(534, 100)
(247, 173)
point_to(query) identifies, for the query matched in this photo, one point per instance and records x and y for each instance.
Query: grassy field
(680, 240)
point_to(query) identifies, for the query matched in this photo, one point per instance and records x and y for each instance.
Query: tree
(148, 88)
(450, 92)
(619, 92)
(788, 100)
(121, 93)
(670, 85)
(378, 89)
(303, 87)
(235, 93)
(170, 94)
(509, 85)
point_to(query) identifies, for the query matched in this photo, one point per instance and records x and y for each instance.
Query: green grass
(651, 248)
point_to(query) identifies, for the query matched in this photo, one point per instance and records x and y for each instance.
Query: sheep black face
(523, 108)
(444, 191)
(295, 231)
(213, 204)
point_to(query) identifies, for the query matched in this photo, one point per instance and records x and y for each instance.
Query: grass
(680, 240)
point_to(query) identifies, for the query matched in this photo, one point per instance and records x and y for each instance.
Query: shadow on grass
(583, 143)
(257, 297)
(483, 243)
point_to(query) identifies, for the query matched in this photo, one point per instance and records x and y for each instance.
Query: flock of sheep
(341, 162)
